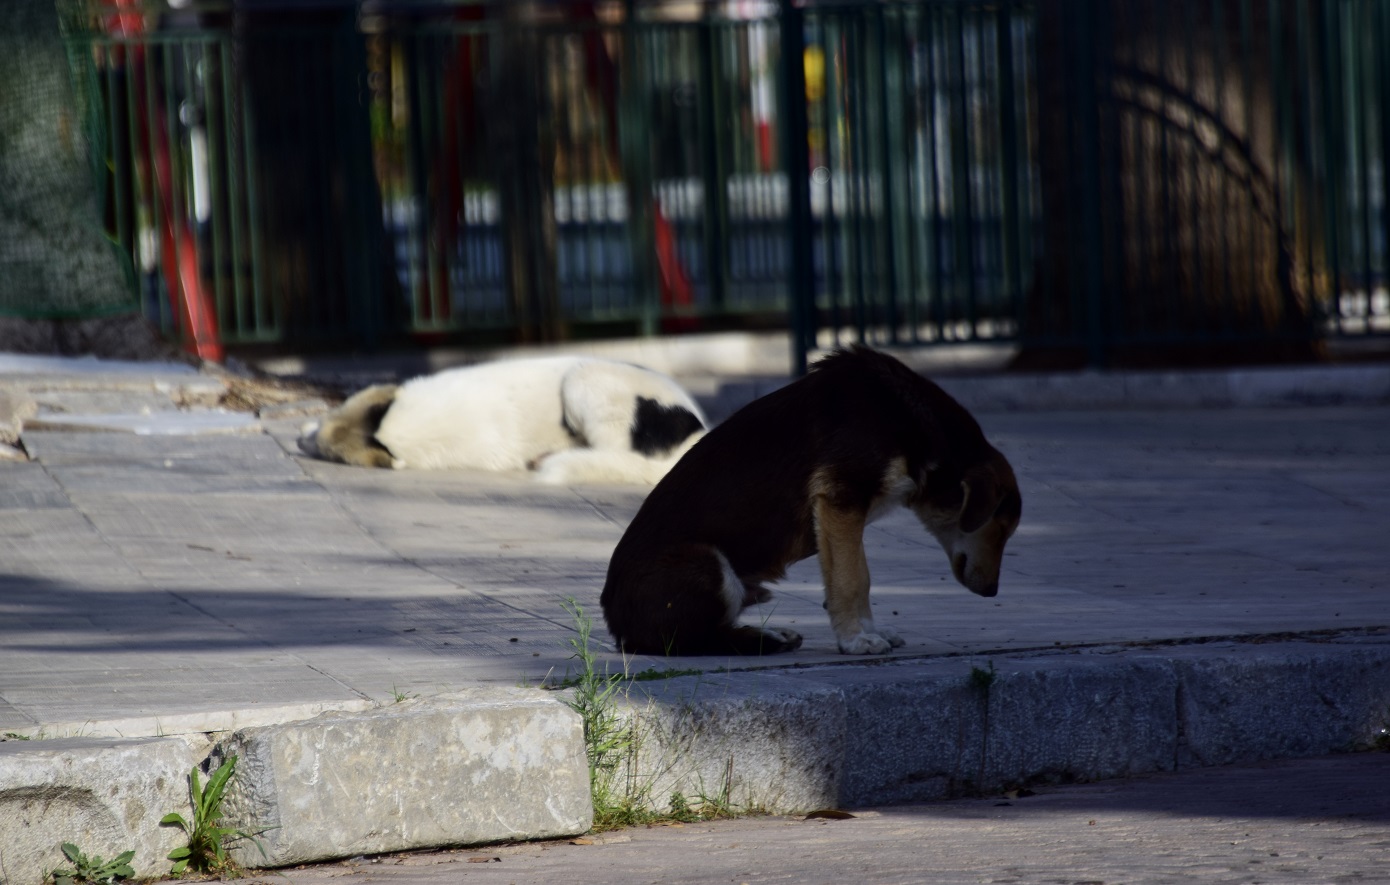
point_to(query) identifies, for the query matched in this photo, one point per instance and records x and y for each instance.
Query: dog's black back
(744, 491)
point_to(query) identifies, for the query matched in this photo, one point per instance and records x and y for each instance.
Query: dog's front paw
(891, 635)
(865, 644)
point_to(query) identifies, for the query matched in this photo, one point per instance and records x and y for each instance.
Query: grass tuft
(208, 840)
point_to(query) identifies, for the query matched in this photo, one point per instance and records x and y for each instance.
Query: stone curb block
(754, 740)
(104, 795)
(1280, 701)
(483, 765)
(911, 732)
(920, 732)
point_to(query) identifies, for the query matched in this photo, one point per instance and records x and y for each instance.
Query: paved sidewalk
(1319, 820)
(154, 582)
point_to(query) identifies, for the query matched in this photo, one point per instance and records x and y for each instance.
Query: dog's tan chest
(896, 488)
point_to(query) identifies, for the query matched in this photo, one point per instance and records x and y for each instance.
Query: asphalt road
(1324, 820)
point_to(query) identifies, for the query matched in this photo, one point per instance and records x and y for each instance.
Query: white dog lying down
(571, 419)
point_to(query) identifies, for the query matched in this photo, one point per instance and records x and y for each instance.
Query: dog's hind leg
(684, 600)
(840, 540)
(754, 593)
(746, 639)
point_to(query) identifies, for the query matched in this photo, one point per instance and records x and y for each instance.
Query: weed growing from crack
(611, 742)
(982, 683)
(208, 840)
(93, 869)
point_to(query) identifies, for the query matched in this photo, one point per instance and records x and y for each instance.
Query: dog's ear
(982, 496)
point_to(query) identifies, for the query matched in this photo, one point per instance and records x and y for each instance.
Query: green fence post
(715, 135)
(796, 158)
(635, 149)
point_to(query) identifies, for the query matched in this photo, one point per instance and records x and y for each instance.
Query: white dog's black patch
(658, 428)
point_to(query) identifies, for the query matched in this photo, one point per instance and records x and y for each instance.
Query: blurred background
(1080, 182)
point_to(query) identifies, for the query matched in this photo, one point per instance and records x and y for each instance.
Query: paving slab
(1156, 609)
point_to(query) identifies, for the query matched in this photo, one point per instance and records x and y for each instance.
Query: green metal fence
(1117, 179)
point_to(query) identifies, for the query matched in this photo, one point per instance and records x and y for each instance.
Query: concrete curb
(919, 731)
(493, 765)
(486, 765)
(104, 795)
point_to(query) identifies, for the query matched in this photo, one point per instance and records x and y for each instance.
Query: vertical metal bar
(933, 87)
(1306, 225)
(636, 154)
(1195, 216)
(1360, 78)
(235, 190)
(214, 145)
(832, 227)
(1247, 91)
(1377, 40)
(1008, 157)
(891, 155)
(850, 220)
(1224, 217)
(1087, 109)
(714, 130)
(908, 85)
(118, 111)
(963, 204)
(156, 207)
(1334, 132)
(797, 161)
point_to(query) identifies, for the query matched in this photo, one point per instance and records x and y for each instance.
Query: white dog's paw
(551, 469)
(865, 644)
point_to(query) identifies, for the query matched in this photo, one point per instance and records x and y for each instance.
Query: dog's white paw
(889, 634)
(865, 644)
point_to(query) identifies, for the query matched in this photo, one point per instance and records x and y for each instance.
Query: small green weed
(983, 680)
(208, 840)
(982, 683)
(609, 740)
(93, 869)
(398, 696)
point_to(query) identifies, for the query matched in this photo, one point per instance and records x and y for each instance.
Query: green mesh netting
(55, 259)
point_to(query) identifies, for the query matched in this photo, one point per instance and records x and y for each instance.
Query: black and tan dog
(802, 471)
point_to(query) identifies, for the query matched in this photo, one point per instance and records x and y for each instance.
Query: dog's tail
(686, 600)
(586, 465)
